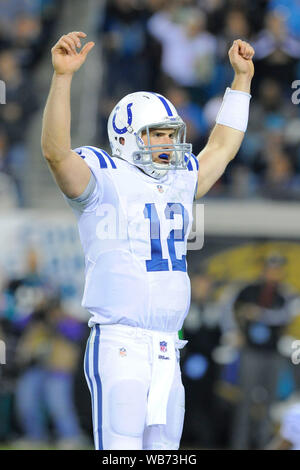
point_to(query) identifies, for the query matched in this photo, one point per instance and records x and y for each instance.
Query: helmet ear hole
(121, 140)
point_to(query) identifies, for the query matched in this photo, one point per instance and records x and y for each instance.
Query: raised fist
(240, 56)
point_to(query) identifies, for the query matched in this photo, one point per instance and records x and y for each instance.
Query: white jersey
(290, 426)
(134, 232)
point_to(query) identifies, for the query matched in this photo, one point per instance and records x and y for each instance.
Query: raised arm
(69, 169)
(225, 141)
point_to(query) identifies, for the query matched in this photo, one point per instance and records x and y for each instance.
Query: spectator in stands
(21, 103)
(31, 354)
(188, 49)
(272, 156)
(156, 5)
(259, 169)
(20, 298)
(290, 9)
(277, 51)
(191, 113)
(236, 25)
(261, 311)
(280, 181)
(9, 371)
(25, 30)
(9, 196)
(241, 183)
(47, 355)
(60, 367)
(271, 101)
(192, 37)
(21, 100)
(126, 47)
(26, 26)
(215, 11)
(26, 39)
(199, 370)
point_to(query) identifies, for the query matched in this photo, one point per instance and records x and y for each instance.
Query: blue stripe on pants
(86, 370)
(91, 366)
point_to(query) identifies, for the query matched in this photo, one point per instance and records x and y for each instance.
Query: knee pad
(127, 407)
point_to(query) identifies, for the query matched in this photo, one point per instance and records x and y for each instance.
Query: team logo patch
(160, 188)
(122, 352)
(163, 346)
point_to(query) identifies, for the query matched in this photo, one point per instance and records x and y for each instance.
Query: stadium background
(178, 48)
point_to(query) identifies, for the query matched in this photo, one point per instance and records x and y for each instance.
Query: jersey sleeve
(93, 193)
(193, 167)
(196, 168)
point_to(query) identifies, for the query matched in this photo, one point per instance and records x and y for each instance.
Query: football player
(134, 212)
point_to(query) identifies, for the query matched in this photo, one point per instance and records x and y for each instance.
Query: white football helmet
(137, 113)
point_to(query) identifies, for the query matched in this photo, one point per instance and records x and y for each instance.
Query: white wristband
(234, 111)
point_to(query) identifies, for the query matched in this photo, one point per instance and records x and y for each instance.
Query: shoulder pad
(103, 158)
(193, 164)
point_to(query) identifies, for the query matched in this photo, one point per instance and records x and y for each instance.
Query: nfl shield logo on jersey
(163, 346)
(122, 352)
(160, 188)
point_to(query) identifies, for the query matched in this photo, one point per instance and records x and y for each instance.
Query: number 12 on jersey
(157, 262)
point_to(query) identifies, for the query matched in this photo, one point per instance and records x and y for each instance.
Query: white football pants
(136, 390)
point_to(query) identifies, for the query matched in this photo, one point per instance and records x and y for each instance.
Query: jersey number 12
(157, 262)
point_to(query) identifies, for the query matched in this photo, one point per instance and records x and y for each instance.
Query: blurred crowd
(25, 30)
(237, 364)
(236, 368)
(179, 48)
(42, 391)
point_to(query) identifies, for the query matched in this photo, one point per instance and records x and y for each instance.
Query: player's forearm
(242, 82)
(232, 119)
(222, 146)
(226, 141)
(56, 131)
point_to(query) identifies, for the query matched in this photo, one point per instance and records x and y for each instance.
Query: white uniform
(290, 426)
(134, 231)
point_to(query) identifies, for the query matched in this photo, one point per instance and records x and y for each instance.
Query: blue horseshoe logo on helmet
(129, 120)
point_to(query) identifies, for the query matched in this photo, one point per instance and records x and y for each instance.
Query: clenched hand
(240, 56)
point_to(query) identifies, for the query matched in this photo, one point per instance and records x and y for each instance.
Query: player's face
(164, 138)
(274, 273)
